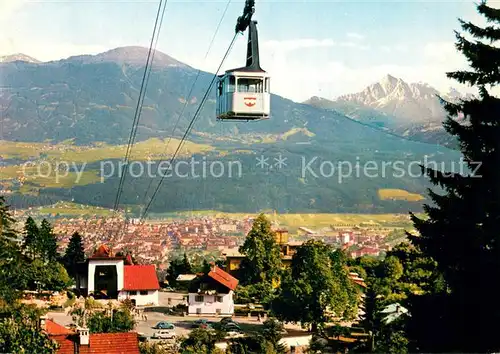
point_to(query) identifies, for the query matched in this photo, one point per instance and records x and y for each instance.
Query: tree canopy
(74, 254)
(263, 261)
(317, 287)
(19, 333)
(176, 267)
(13, 275)
(462, 230)
(201, 341)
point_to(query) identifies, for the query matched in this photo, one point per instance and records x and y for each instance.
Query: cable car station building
(106, 276)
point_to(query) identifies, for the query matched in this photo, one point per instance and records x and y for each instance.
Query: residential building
(212, 293)
(287, 250)
(105, 276)
(80, 341)
(365, 251)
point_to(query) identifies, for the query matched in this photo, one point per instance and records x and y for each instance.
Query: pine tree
(173, 271)
(74, 254)
(31, 241)
(48, 242)
(12, 269)
(186, 265)
(462, 232)
(205, 267)
(6, 221)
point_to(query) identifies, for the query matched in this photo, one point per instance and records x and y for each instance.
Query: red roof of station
(140, 277)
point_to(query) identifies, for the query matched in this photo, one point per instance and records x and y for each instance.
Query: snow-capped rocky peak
(414, 102)
(388, 83)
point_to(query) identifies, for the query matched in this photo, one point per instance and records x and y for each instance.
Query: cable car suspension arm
(244, 20)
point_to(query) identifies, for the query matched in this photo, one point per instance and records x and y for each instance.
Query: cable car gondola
(243, 94)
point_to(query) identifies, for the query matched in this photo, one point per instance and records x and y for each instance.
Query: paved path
(182, 323)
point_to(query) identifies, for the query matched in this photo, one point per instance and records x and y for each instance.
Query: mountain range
(90, 100)
(18, 57)
(411, 110)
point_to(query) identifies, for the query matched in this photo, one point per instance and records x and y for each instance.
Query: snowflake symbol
(280, 161)
(262, 161)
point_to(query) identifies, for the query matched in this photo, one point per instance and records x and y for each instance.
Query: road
(183, 324)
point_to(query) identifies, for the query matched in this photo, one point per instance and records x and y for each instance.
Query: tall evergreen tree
(12, 270)
(263, 260)
(205, 267)
(31, 241)
(186, 265)
(6, 221)
(48, 241)
(74, 254)
(462, 232)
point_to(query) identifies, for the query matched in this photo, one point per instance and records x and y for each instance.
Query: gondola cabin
(243, 94)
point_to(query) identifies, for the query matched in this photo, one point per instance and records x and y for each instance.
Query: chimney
(84, 336)
(42, 322)
(212, 266)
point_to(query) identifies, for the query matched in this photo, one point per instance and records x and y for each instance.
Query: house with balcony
(212, 293)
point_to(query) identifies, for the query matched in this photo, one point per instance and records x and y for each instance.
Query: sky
(310, 48)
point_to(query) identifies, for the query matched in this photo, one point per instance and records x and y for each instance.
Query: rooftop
(140, 277)
(186, 277)
(53, 328)
(99, 343)
(223, 277)
(104, 252)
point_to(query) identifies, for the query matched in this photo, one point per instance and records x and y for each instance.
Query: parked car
(163, 334)
(231, 326)
(164, 325)
(201, 323)
(225, 320)
(234, 334)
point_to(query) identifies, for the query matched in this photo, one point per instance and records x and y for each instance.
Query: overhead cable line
(189, 95)
(140, 101)
(188, 130)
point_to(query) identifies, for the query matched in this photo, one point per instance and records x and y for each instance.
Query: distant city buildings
(154, 241)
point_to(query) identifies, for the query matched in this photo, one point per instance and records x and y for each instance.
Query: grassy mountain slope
(91, 101)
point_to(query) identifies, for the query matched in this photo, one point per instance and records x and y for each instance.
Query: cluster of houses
(105, 275)
(152, 242)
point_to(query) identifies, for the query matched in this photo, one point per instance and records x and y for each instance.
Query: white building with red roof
(212, 293)
(105, 276)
